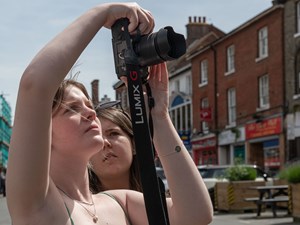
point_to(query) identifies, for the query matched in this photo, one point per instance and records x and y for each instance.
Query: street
(266, 218)
(4, 216)
(219, 218)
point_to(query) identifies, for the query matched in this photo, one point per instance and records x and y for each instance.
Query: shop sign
(205, 114)
(185, 137)
(204, 143)
(272, 162)
(264, 128)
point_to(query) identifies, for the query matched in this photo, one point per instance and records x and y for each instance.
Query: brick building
(292, 77)
(199, 32)
(238, 94)
(180, 79)
(235, 96)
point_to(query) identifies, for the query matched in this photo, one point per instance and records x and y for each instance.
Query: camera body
(144, 50)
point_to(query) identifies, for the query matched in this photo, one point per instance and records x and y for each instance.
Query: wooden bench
(254, 199)
(268, 201)
(273, 202)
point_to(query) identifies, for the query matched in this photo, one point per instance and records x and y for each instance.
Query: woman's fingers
(139, 18)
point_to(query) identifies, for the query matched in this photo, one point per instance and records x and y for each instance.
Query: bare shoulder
(132, 203)
(122, 196)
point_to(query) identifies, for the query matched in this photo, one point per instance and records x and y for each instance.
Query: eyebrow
(114, 128)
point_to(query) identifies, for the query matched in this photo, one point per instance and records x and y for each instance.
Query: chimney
(196, 29)
(95, 92)
(278, 2)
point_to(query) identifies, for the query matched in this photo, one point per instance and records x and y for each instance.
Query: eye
(71, 108)
(114, 133)
(90, 105)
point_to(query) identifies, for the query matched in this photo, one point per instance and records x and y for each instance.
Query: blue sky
(26, 26)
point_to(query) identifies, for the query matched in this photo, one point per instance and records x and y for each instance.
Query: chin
(98, 143)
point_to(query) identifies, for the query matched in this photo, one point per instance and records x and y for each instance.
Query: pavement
(4, 215)
(266, 217)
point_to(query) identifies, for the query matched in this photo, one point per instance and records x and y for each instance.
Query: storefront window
(271, 155)
(239, 154)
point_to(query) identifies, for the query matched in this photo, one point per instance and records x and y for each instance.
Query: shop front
(205, 150)
(266, 144)
(232, 146)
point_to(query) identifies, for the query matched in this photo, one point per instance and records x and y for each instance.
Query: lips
(92, 127)
(108, 156)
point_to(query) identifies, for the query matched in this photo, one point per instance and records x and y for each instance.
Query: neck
(120, 182)
(71, 176)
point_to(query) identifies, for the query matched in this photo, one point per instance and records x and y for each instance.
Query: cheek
(63, 131)
(127, 150)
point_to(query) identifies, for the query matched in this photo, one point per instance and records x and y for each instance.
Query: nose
(106, 142)
(90, 114)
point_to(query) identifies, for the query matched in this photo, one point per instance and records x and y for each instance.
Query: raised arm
(190, 202)
(29, 159)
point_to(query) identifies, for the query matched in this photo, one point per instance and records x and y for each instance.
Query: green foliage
(240, 172)
(291, 174)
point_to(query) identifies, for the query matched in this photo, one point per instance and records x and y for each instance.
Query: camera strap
(155, 203)
(128, 64)
(151, 104)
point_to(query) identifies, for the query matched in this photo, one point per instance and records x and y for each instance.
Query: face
(116, 157)
(75, 127)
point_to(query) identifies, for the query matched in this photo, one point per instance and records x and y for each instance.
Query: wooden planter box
(229, 196)
(295, 189)
(294, 193)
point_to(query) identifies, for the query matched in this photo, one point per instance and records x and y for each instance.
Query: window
(181, 117)
(297, 74)
(298, 84)
(177, 86)
(204, 105)
(230, 59)
(189, 117)
(173, 116)
(263, 43)
(203, 72)
(231, 106)
(298, 17)
(178, 118)
(188, 89)
(264, 91)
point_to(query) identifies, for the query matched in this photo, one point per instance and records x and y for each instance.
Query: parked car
(160, 173)
(216, 173)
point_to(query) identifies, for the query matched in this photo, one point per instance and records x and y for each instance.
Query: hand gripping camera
(144, 50)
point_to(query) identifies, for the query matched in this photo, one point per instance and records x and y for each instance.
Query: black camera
(144, 50)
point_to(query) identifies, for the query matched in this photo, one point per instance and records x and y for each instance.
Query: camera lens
(158, 47)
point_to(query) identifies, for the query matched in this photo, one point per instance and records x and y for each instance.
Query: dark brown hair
(118, 117)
